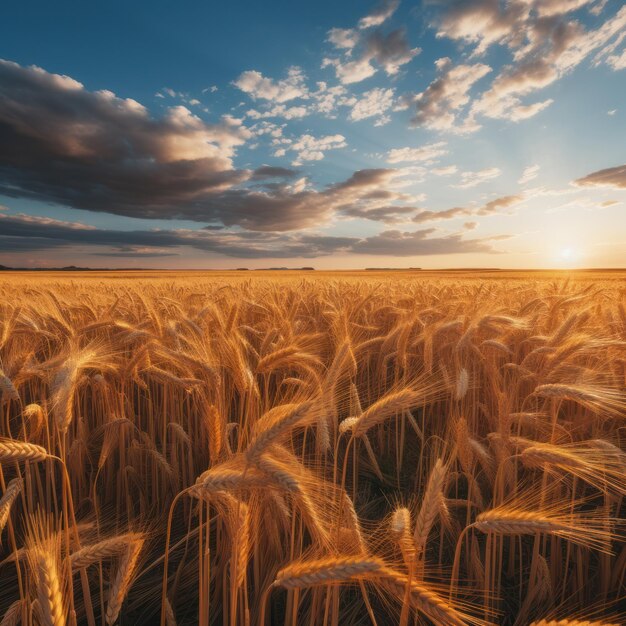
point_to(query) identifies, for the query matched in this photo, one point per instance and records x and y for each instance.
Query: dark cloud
(420, 242)
(27, 233)
(366, 178)
(388, 214)
(489, 208)
(60, 143)
(93, 150)
(26, 243)
(269, 171)
(390, 51)
(426, 216)
(135, 253)
(22, 233)
(439, 105)
(610, 177)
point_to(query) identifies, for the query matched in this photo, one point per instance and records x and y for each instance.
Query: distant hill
(392, 269)
(69, 268)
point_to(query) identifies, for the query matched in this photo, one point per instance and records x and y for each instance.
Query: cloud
(280, 110)
(22, 233)
(343, 38)
(427, 216)
(269, 171)
(373, 103)
(92, 150)
(447, 170)
(549, 8)
(610, 177)
(530, 173)
(492, 207)
(380, 15)
(470, 225)
(545, 44)
(428, 152)
(420, 242)
(552, 47)
(367, 179)
(136, 253)
(439, 104)
(390, 52)
(472, 179)
(480, 22)
(324, 100)
(258, 86)
(495, 206)
(62, 144)
(389, 214)
(617, 62)
(310, 148)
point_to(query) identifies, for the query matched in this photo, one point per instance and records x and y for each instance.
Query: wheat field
(298, 448)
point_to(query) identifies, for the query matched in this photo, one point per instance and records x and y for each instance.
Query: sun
(568, 255)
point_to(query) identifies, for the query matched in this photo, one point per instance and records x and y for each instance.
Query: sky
(437, 134)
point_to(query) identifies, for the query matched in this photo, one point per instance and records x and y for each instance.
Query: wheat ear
(323, 571)
(123, 581)
(11, 450)
(11, 492)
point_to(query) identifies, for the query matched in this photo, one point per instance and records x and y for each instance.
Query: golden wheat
(437, 448)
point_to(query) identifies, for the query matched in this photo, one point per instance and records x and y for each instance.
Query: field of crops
(312, 449)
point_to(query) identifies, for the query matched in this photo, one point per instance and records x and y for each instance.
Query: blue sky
(343, 134)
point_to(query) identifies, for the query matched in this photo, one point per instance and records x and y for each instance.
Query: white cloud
(380, 15)
(447, 170)
(326, 99)
(310, 148)
(530, 173)
(617, 62)
(258, 86)
(544, 41)
(280, 110)
(351, 71)
(423, 153)
(549, 8)
(372, 103)
(343, 38)
(472, 179)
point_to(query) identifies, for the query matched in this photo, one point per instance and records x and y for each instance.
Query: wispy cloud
(472, 179)
(530, 173)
